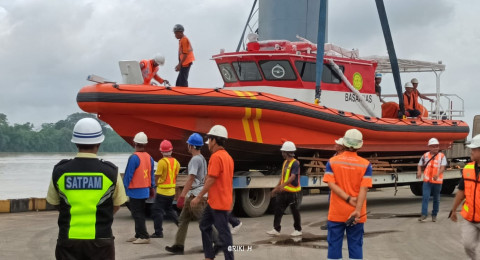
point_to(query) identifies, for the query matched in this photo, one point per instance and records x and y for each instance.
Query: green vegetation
(53, 137)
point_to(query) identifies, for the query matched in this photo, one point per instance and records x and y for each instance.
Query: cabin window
(306, 70)
(247, 71)
(277, 70)
(227, 72)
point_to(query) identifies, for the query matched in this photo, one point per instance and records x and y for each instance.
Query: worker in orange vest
(433, 164)
(287, 191)
(185, 56)
(469, 190)
(166, 179)
(150, 68)
(138, 180)
(348, 176)
(410, 100)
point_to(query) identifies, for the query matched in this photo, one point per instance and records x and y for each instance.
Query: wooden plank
(395, 157)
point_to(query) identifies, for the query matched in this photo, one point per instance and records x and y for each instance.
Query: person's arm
(159, 79)
(456, 202)
(52, 195)
(161, 173)
(424, 97)
(132, 164)
(353, 201)
(419, 168)
(152, 169)
(362, 195)
(209, 181)
(188, 185)
(183, 51)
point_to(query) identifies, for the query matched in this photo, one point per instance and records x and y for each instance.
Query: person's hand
(453, 216)
(177, 68)
(180, 202)
(166, 82)
(353, 201)
(152, 193)
(195, 202)
(431, 100)
(419, 175)
(435, 177)
(356, 215)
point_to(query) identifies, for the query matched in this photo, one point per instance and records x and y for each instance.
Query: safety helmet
(414, 80)
(378, 75)
(353, 139)
(408, 85)
(288, 147)
(87, 131)
(178, 28)
(166, 146)
(195, 139)
(140, 138)
(159, 59)
(475, 142)
(339, 141)
(433, 141)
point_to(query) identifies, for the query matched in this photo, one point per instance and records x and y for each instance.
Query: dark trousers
(137, 207)
(73, 249)
(182, 79)
(219, 219)
(413, 112)
(233, 220)
(162, 207)
(283, 200)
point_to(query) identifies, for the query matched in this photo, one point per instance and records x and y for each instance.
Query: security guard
(469, 190)
(287, 191)
(87, 192)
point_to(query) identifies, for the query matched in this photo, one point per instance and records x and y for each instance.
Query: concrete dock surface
(392, 231)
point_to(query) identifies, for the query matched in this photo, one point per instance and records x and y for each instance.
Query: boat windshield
(306, 70)
(247, 71)
(227, 72)
(277, 70)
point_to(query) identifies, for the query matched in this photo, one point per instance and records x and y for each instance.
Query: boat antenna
(246, 25)
(391, 54)
(322, 24)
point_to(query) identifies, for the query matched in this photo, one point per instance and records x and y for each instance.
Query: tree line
(53, 137)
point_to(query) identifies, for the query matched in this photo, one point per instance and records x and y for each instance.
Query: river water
(25, 175)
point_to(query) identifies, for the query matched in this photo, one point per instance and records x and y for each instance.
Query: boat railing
(450, 106)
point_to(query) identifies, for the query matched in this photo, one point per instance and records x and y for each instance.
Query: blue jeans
(162, 206)
(335, 240)
(434, 190)
(219, 219)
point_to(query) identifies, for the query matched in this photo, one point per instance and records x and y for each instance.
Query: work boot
(434, 218)
(175, 249)
(142, 241)
(422, 218)
(273, 232)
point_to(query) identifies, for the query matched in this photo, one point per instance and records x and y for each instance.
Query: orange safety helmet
(166, 146)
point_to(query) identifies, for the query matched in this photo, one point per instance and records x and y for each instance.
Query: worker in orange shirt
(150, 68)
(185, 56)
(219, 185)
(348, 176)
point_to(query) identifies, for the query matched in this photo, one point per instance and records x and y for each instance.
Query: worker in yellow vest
(469, 193)
(165, 178)
(287, 191)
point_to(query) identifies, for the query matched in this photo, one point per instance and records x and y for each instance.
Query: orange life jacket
(410, 102)
(149, 71)
(432, 168)
(142, 177)
(173, 167)
(286, 176)
(188, 51)
(471, 206)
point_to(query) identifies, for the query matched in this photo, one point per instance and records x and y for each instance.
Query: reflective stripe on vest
(83, 192)
(142, 177)
(172, 170)
(286, 176)
(471, 206)
(148, 71)
(433, 168)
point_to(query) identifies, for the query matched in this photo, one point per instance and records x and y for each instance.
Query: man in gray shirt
(197, 170)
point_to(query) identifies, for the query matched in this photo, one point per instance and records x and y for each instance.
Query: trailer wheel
(449, 186)
(417, 188)
(253, 202)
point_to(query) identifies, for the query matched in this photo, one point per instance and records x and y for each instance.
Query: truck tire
(448, 186)
(417, 188)
(253, 202)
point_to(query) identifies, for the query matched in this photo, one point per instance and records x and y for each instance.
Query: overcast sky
(47, 48)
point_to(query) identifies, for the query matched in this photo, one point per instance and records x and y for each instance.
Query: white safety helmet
(159, 59)
(140, 138)
(353, 139)
(433, 141)
(288, 147)
(339, 141)
(414, 80)
(178, 28)
(378, 75)
(408, 85)
(218, 130)
(87, 131)
(475, 142)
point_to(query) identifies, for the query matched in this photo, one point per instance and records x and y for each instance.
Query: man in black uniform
(87, 192)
